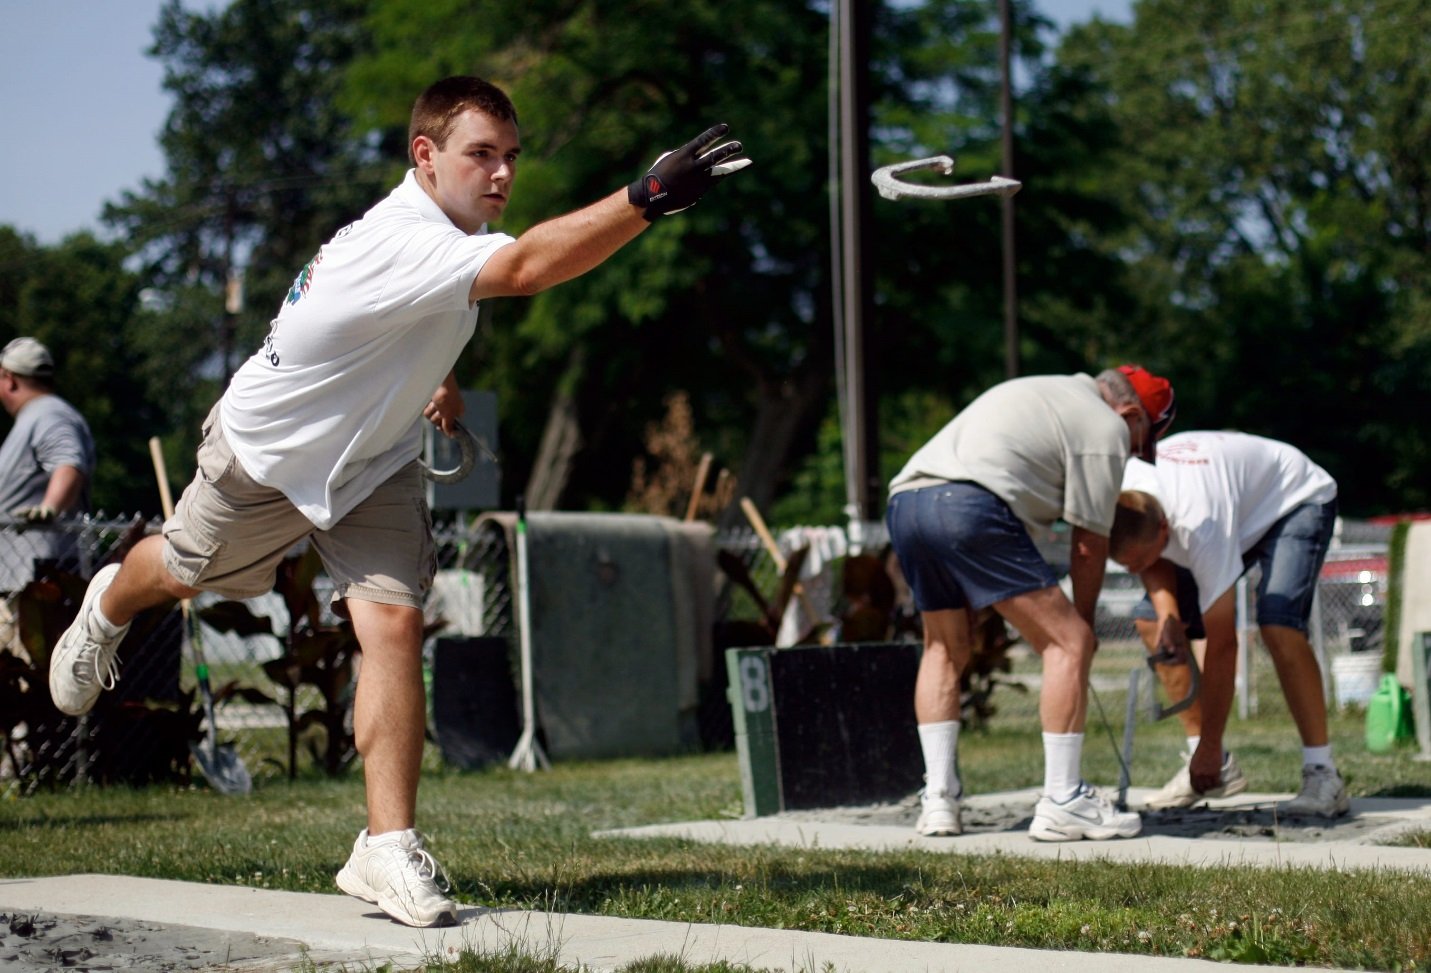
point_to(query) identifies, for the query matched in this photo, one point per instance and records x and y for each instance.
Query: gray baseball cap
(26, 356)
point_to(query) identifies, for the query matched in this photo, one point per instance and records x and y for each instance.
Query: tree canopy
(1275, 160)
(1236, 193)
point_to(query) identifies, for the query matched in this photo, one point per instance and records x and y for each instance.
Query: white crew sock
(1314, 756)
(940, 743)
(101, 622)
(1192, 744)
(386, 838)
(1062, 760)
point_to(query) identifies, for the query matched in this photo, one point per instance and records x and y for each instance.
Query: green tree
(1277, 160)
(261, 168)
(937, 269)
(729, 302)
(726, 301)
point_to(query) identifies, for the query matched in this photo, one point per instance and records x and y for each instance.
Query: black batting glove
(678, 179)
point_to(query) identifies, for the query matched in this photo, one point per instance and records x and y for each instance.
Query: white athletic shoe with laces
(1179, 792)
(1087, 814)
(83, 662)
(938, 815)
(1322, 794)
(401, 878)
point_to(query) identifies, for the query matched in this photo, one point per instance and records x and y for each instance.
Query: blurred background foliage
(1236, 193)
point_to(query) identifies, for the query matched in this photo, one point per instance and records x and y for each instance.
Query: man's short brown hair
(1136, 521)
(435, 112)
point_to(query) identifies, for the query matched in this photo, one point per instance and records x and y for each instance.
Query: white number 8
(754, 684)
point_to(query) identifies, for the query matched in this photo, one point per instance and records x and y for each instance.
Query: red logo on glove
(654, 189)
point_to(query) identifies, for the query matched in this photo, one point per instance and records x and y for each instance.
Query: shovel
(219, 763)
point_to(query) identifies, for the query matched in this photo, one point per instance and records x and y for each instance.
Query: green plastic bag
(1388, 716)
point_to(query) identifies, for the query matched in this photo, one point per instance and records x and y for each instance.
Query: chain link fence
(287, 715)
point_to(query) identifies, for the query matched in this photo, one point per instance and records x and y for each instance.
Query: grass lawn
(523, 840)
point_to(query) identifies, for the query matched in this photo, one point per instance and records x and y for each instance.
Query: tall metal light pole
(853, 304)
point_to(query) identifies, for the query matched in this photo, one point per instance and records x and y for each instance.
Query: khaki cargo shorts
(229, 534)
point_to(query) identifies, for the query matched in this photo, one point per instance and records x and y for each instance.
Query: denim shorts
(1290, 555)
(960, 546)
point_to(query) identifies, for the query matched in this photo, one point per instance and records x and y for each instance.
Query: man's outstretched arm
(568, 246)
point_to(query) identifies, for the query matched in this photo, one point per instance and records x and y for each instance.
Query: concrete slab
(337, 929)
(1243, 830)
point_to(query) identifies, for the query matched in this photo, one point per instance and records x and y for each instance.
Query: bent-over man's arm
(1088, 559)
(1219, 679)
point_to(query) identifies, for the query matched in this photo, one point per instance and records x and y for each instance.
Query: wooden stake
(752, 513)
(702, 471)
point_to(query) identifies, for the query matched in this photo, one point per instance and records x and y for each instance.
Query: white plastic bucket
(1355, 677)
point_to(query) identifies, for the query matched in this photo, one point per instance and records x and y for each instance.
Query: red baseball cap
(1156, 394)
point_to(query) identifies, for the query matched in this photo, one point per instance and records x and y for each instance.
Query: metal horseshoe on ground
(886, 180)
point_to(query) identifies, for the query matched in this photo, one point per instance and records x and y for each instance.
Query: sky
(81, 105)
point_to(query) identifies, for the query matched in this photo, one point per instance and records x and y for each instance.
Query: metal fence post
(1319, 644)
(1246, 703)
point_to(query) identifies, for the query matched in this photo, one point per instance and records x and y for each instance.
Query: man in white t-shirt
(1022, 455)
(1215, 504)
(318, 435)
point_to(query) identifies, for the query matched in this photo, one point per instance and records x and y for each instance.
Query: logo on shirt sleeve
(304, 280)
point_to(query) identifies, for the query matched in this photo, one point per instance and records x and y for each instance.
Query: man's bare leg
(390, 864)
(142, 582)
(1048, 622)
(1323, 792)
(84, 660)
(389, 711)
(1068, 811)
(1301, 680)
(947, 646)
(937, 710)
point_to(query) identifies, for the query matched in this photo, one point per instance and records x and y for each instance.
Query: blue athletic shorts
(1290, 555)
(960, 546)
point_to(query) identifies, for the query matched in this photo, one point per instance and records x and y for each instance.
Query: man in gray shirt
(46, 463)
(1024, 454)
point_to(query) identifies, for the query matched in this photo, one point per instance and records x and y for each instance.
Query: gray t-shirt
(48, 433)
(1047, 445)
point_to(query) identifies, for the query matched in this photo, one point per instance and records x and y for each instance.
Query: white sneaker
(939, 815)
(1087, 814)
(401, 878)
(1179, 792)
(83, 662)
(1322, 794)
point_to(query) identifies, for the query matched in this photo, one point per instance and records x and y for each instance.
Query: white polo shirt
(331, 405)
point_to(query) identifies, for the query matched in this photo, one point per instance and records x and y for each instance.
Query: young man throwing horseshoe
(318, 435)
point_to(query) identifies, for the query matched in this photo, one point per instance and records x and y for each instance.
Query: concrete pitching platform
(244, 930)
(1241, 830)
